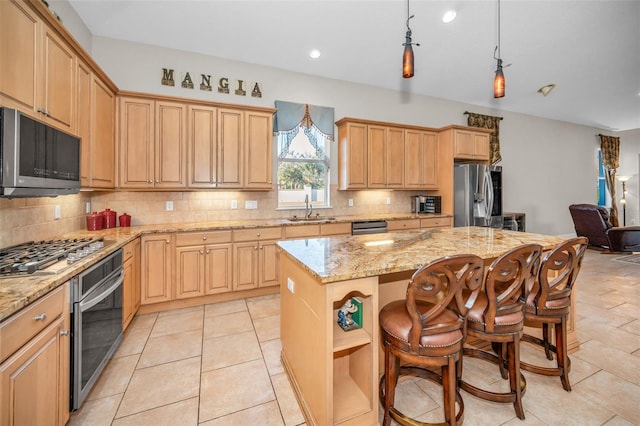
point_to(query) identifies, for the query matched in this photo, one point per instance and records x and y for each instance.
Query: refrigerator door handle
(489, 189)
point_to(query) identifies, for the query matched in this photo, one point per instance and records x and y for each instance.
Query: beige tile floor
(219, 365)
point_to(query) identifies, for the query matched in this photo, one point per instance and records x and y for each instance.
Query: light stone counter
(350, 257)
(17, 292)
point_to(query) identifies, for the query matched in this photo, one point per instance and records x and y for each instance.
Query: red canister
(95, 221)
(109, 218)
(125, 220)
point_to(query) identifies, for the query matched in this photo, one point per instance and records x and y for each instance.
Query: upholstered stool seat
(497, 317)
(548, 303)
(425, 332)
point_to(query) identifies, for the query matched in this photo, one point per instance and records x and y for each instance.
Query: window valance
(316, 121)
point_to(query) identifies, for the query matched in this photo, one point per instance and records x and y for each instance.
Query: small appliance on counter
(426, 204)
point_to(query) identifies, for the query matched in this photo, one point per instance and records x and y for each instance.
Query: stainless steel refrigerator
(477, 199)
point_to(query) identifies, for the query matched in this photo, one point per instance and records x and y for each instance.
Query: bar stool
(498, 317)
(421, 331)
(548, 303)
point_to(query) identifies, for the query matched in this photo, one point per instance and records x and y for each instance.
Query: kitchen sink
(310, 219)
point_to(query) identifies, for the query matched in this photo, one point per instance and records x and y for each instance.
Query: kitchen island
(335, 373)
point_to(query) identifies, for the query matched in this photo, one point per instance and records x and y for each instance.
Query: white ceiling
(589, 49)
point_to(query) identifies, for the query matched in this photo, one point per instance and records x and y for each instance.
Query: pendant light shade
(407, 56)
(498, 81)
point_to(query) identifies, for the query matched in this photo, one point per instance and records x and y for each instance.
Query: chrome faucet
(308, 207)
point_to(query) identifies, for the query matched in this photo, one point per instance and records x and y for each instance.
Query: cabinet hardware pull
(40, 317)
(167, 241)
(255, 248)
(64, 332)
(201, 252)
(204, 238)
(258, 234)
(150, 181)
(208, 251)
(261, 247)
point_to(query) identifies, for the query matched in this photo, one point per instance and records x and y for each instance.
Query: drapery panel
(314, 119)
(610, 148)
(492, 123)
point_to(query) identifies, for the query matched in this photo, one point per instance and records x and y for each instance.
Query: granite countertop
(17, 292)
(358, 256)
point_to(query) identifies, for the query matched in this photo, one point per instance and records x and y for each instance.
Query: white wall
(547, 164)
(72, 22)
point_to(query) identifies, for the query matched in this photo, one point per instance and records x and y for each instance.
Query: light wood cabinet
(420, 159)
(259, 150)
(352, 155)
(153, 144)
(470, 145)
(34, 374)
(342, 385)
(96, 129)
(230, 137)
(202, 146)
(436, 222)
(381, 155)
(403, 224)
(255, 258)
(38, 75)
(203, 263)
(156, 266)
(131, 284)
(385, 157)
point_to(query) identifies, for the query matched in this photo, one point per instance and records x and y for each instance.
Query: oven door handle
(101, 292)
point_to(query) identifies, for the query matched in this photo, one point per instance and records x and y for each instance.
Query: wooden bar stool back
(548, 303)
(422, 332)
(497, 317)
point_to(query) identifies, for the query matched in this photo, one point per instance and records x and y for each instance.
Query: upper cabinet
(420, 165)
(153, 149)
(39, 70)
(386, 156)
(259, 150)
(467, 143)
(96, 128)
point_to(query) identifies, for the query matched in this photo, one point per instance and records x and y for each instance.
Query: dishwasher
(368, 227)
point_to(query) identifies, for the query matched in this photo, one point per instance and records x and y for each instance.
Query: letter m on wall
(167, 77)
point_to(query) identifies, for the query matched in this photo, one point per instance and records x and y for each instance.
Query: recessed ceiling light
(449, 16)
(314, 54)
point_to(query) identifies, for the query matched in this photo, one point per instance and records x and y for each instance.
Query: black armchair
(592, 221)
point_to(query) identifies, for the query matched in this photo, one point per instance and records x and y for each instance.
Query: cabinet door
(267, 264)
(83, 124)
(19, 50)
(31, 380)
(137, 255)
(171, 145)
(376, 150)
(394, 155)
(218, 269)
(352, 157)
(259, 150)
(127, 293)
(190, 268)
(103, 141)
(463, 144)
(202, 147)
(245, 270)
(230, 141)
(59, 82)
(429, 161)
(481, 146)
(136, 143)
(156, 265)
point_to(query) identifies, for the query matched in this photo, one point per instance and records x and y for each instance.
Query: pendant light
(407, 57)
(498, 81)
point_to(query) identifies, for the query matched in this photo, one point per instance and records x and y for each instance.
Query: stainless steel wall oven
(96, 312)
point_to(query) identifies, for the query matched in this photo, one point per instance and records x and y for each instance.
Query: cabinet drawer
(399, 225)
(257, 234)
(24, 325)
(196, 238)
(302, 231)
(335, 229)
(435, 222)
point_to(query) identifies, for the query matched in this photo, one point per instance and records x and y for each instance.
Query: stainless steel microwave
(37, 160)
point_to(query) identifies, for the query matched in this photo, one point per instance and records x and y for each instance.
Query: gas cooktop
(27, 258)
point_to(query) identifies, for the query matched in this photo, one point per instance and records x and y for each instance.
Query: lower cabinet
(255, 258)
(131, 285)
(156, 268)
(35, 363)
(203, 263)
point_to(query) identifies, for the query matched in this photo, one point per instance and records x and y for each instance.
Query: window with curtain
(602, 187)
(303, 135)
